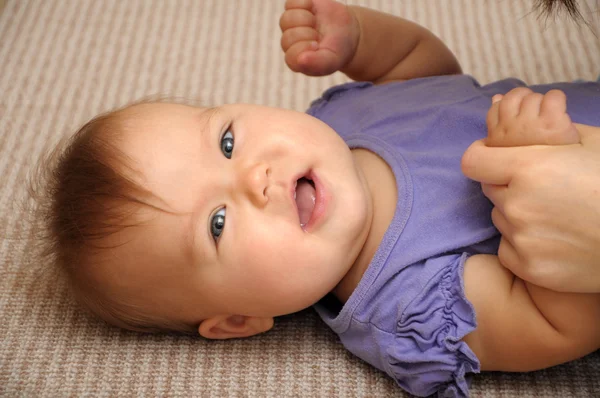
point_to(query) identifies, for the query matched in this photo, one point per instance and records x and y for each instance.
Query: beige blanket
(64, 61)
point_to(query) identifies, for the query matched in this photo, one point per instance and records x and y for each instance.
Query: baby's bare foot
(522, 117)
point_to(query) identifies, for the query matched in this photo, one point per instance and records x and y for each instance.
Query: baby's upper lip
(293, 186)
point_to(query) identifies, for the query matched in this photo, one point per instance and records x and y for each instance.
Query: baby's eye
(217, 223)
(227, 144)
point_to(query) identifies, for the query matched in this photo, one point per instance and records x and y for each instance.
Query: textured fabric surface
(64, 61)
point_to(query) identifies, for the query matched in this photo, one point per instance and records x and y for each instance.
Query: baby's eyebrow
(194, 218)
(192, 251)
(208, 114)
(189, 240)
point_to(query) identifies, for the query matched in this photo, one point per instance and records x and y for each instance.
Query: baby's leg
(522, 117)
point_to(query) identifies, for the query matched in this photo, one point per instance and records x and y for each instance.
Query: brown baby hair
(552, 7)
(86, 194)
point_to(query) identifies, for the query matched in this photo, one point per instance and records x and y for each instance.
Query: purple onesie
(408, 314)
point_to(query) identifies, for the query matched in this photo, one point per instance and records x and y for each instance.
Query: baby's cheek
(268, 249)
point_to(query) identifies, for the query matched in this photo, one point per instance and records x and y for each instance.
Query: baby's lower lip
(321, 203)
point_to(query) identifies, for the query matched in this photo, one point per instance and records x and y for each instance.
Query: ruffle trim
(428, 355)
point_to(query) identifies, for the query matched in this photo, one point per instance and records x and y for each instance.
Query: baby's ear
(233, 326)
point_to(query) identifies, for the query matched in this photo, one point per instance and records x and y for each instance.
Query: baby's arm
(392, 48)
(322, 36)
(523, 327)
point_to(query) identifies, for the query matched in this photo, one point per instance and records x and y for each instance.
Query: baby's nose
(254, 182)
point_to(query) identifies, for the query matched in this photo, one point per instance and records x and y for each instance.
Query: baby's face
(231, 241)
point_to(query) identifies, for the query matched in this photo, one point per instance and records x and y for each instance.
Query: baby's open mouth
(305, 197)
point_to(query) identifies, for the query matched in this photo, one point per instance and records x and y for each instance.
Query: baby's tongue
(305, 200)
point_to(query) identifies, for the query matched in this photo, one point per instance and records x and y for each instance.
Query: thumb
(493, 165)
(295, 56)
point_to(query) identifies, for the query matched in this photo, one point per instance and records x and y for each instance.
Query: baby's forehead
(141, 121)
(163, 145)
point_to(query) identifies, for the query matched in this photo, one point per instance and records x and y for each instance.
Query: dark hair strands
(573, 8)
(80, 194)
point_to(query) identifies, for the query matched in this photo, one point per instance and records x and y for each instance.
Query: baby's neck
(384, 193)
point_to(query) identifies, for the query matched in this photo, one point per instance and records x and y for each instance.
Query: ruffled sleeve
(427, 355)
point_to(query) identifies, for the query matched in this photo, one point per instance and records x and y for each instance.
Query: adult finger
(496, 194)
(588, 135)
(494, 166)
(502, 224)
(509, 258)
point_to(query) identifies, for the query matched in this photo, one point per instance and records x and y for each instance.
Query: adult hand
(546, 197)
(319, 37)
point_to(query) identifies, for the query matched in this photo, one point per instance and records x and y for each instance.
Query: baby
(217, 220)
